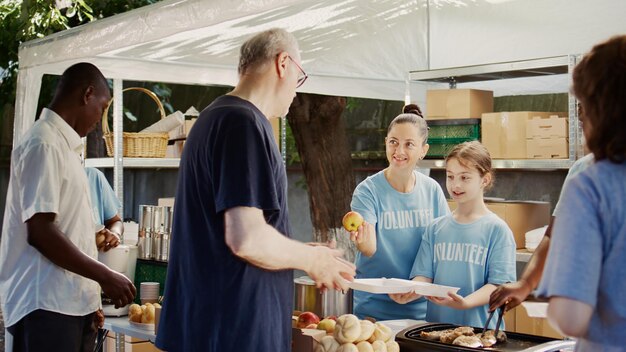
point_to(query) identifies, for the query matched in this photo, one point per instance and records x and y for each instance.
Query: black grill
(410, 341)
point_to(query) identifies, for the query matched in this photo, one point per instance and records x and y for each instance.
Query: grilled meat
(465, 330)
(449, 337)
(468, 341)
(434, 335)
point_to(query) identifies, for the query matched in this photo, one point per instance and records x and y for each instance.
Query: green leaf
(71, 12)
(130, 116)
(85, 6)
(168, 107)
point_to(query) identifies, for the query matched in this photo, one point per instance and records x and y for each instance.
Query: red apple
(307, 318)
(352, 220)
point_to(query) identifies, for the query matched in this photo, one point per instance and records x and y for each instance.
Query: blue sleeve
(423, 264)
(242, 166)
(363, 203)
(576, 246)
(110, 203)
(501, 262)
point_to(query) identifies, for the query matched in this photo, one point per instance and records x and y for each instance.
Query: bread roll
(327, 344)
(347, 329)
(347, 347)
(392, 346)
(381, 333)
(365, 346)
(134, 313)
(367, 329)
(379, 346)
(148, 314)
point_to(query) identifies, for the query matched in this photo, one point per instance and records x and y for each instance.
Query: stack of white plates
(149, 292)
(534, 237)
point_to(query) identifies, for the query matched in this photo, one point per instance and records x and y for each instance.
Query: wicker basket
(137, 145)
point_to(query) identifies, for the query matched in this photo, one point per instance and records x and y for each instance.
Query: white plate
(142, 326)
(426, 289)
(382, 285)
(385, 285)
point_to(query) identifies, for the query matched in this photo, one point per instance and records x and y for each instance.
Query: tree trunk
(319, 133)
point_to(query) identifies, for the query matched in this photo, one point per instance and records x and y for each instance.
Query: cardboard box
(521, 216)
(458, 103)
(549, 127)
(166, 202)
(174, 150)
(305, 340)
(504, 133)
(556, 148)
(534, 326)
(183, 130)
(145, 346)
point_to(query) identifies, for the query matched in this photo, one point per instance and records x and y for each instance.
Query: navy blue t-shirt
(214, 300)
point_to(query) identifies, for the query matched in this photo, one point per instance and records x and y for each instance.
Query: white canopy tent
(349, 47)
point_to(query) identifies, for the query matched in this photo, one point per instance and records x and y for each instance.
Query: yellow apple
(327, 324)
(352, 220)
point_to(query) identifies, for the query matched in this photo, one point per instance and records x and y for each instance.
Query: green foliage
(21, 21)
(293, 157)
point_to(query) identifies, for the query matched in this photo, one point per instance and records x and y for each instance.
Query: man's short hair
(264, 46)
(80, 76)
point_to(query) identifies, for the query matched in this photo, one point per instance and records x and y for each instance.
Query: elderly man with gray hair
(230, 280)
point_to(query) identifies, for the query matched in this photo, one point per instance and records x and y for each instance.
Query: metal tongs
(500, 314)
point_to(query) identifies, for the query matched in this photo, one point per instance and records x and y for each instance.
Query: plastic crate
(149, 271)
(454, 128)
(439, 148)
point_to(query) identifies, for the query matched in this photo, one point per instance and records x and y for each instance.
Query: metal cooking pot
(309, 298)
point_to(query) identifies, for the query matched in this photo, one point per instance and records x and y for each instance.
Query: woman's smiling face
(404, 146)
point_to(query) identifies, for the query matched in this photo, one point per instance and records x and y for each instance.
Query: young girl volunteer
(472, 248)
(397, 204)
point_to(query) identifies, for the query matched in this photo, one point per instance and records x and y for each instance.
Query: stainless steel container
(310, 298)
(157, 232)
(163, 233)
(146, 224)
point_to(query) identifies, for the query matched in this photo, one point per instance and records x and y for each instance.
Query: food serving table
(121, 327)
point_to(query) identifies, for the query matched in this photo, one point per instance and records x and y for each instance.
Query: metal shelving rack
(507, 70)
(118, 162)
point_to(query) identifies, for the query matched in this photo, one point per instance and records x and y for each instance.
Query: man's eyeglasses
(302, 78)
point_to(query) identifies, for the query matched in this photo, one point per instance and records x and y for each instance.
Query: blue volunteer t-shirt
(468, 256)
(400, 220)
(587, 260)
(104, 202)
(215, 301)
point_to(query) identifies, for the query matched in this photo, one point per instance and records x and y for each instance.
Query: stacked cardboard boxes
(458, 103)
(525, 134)
(546, 137)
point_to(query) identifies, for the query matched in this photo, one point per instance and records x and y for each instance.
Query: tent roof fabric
(197, 42)
(357, 48)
